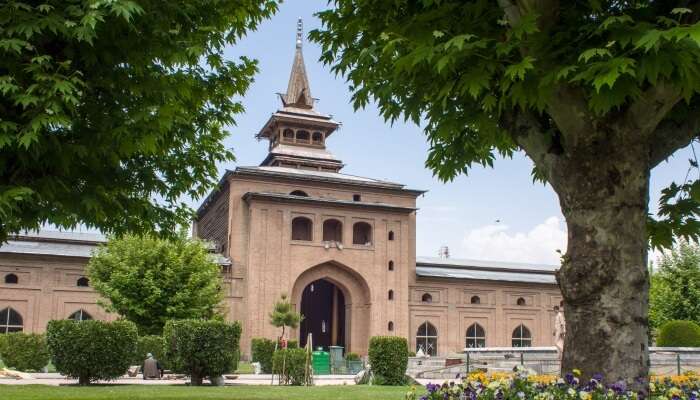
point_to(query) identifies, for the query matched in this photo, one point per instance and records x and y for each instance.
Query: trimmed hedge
(293, 360)
(202, 348)
(91, 350)
(24, 351)
(261, 351)
(153, 344)
(352, 357)
(679, 334)
(388, 356)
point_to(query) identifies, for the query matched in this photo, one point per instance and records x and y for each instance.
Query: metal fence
(672, 361)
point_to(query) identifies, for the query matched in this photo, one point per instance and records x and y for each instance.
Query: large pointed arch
(356, 294)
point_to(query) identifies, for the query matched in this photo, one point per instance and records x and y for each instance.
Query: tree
(596, 93)
(283, 315)
(111, 111)
(149, 280)
(675, 286)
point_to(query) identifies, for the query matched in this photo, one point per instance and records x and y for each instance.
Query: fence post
(678, 363)
(468, 363)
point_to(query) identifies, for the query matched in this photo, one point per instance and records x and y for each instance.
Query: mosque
(342, 247)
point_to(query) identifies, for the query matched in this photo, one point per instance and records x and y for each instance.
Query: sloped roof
(452, 268)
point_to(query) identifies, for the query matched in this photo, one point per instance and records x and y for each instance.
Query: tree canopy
(596, 93)
(675, 286)
(488, 77)
(150, 281)
(283, 314)
(111, 111)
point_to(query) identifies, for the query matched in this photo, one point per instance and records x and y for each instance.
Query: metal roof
(455, 268)
(485, 275)
(485, 264)
(315, 174)
(320, 200)
(305, 152)
(65, 244)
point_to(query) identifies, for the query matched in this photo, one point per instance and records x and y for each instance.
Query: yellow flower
(584, 395)
(577, 372)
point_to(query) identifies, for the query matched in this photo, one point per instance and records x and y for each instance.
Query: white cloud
(497, 242)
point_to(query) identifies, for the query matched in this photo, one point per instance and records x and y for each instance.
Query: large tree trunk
(604, 278)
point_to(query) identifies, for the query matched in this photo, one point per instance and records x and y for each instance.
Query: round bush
(91, 350)
(261, 351)
(201, 348)
(388, 356)
(679, 334)
(24, 351)
(291, 365)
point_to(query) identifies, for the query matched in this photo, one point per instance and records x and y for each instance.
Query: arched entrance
(338, 309)
(323, 308)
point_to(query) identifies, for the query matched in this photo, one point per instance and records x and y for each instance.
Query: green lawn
(40, 392)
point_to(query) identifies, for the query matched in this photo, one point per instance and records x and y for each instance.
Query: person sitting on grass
(151, 368)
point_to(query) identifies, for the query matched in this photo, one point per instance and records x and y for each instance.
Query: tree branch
(570, 112)
(651, 108)
(671, 135)
(532, 137)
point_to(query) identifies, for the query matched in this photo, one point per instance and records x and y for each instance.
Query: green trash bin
(321, 362)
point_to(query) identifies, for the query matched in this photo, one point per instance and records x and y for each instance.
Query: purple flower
(619, 387)
(598, 377)
(569, 378)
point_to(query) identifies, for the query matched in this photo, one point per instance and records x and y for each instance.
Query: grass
(40, 392)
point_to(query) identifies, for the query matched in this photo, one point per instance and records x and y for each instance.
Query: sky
(492, 214)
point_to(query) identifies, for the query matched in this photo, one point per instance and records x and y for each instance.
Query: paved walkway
(243, 379)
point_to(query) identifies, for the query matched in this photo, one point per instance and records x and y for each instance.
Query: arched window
(391, 295)
(80, 315)
(83, 282)
(391, 265)
(11, 279)
(521, 301)
(426, 339)
(522, 336)
(332, 230)
(362, 233)
(391, 235)
(10, 321)
(475, 300)
(390, 326)
(302, 136)
(426, 298)
(317, 138)
(476, 336)
(302, 228)
(299, 193)
(288, 135)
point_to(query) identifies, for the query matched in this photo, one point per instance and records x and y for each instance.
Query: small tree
(675, 286)
(150, 281)
(283, 315)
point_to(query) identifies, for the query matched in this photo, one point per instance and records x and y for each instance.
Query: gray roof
(433, 267)
(318, 175)
(305, 152)
(320, 200)
(64, 243)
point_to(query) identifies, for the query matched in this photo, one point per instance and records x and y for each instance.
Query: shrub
(388, 356)
(352, 357)
(91, 350)
(261, 351)
(293, 361)
(149, 344)
(679, 334)
(24, 351)
(293, 344)
(201, 348)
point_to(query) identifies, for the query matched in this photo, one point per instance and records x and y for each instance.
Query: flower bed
(524, 385)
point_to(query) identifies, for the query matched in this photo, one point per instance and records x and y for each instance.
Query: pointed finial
(300, 28)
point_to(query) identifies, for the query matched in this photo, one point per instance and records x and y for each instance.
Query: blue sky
(461, 214)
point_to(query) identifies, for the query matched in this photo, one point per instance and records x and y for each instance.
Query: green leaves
(516, 72)
(150, 281)
(114, 110)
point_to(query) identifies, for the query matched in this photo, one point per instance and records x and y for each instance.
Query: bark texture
(603, 191)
